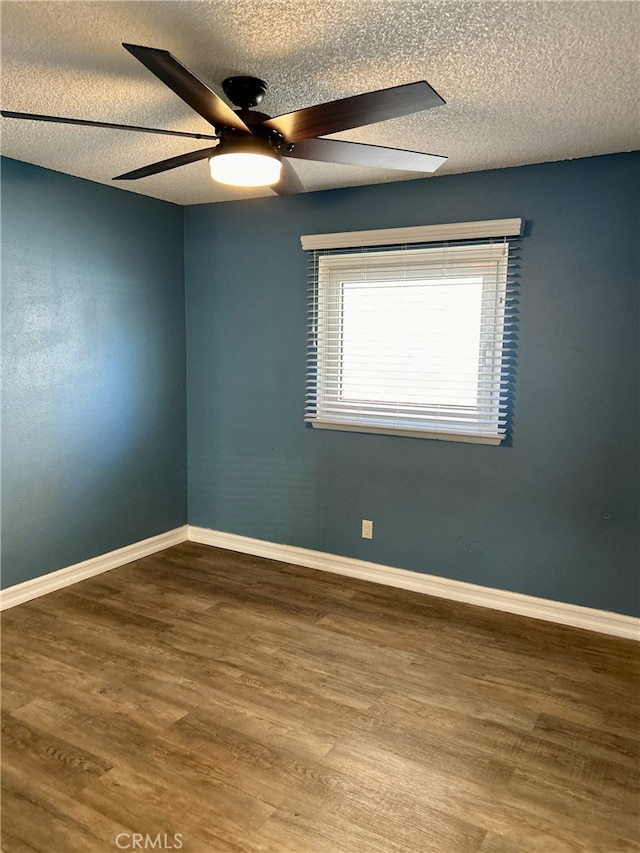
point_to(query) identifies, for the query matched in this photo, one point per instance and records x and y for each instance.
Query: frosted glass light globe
(245, 169)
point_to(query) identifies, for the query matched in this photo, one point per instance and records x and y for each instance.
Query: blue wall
(93, 440)
(93, 434)
(554, 513)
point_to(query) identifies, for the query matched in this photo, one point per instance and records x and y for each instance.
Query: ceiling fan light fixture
(245, 162)
(251, 145)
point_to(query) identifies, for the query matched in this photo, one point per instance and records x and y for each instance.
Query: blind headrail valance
(413, 234)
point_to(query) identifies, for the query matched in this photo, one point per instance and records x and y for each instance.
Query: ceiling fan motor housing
(244, 92)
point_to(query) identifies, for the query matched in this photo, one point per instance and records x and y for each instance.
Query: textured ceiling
(524, 82)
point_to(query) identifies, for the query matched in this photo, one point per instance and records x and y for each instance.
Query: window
(412, 339)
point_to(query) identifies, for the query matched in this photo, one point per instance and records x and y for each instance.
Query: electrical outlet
(367, 529)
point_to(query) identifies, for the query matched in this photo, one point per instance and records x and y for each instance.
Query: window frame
(341, 264)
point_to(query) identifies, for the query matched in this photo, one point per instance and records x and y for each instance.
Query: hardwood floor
(219, 702)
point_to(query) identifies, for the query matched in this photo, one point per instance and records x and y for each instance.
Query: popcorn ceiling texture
(525, 82)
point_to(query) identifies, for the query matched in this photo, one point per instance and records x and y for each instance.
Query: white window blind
(413, 339)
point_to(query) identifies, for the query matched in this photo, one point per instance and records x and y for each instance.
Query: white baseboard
(22, 592)
(603, 621)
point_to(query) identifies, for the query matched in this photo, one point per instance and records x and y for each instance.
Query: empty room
(320, 426)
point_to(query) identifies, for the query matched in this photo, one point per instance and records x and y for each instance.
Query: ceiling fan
(251, 148)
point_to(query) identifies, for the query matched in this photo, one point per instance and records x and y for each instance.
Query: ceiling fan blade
(289, 183)
(85, 123)
(187, 86)
(165, 165)
(357, 154)
(356, 111)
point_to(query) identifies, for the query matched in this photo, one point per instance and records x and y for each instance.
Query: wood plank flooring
(219, 702)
